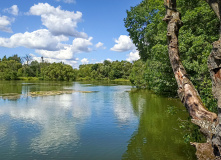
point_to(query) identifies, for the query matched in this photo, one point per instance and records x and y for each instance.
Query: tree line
(15, 68)
(105, 71)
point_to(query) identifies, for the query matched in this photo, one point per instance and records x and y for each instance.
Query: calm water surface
(112, 123)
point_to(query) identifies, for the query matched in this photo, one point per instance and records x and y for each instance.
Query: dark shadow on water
(158, 135)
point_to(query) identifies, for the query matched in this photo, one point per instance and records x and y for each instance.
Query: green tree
(137, 76)
(148, 32)
(16, 58)
(105, 70)
(35, 66)
(59, 72)
(9, 69)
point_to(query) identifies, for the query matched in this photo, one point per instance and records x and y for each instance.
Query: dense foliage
(106, 70)
(58, 71)
(11, 68)
(148, 32)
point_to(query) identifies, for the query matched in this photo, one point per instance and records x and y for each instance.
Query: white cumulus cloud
(79, 45)
(5, 24)
(133, 56)
(58, 21)
(40, 39)
(99, 44)
(124, 43)
(48, 45)
(84, 61)
(72, 62)
(109, 60)
(65, 53)
(12, 10)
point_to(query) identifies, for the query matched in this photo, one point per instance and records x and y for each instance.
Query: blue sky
(72, 31)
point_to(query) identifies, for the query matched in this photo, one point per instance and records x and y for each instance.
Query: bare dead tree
(27, 58)
(208, 122)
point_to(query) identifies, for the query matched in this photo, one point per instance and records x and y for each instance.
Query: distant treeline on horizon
(17, 68)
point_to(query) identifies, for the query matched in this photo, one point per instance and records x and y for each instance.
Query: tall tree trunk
(207, 121)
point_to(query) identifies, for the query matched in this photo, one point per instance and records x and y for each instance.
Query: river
(112, 121)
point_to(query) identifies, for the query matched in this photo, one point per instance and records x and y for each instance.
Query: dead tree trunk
(207, 121)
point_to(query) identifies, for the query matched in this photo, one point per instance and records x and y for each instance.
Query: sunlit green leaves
(106, 70)
(145, 26)
(9, 67)
(148, 32)
(59, 72)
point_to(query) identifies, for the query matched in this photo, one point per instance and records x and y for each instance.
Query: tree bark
(215, 5)
(214, 65)
(206, 120)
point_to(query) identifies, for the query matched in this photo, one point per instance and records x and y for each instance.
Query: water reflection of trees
(10, 87)
(14, 90)
(158, 135)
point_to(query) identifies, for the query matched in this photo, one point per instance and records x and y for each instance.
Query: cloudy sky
(72, 31)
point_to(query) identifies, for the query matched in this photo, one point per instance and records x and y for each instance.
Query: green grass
(121, 80)
(30, 78)
(103, 79)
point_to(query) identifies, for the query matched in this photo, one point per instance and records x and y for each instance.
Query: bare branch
(27, 58)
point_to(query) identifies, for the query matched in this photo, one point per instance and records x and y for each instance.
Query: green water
(115, 122)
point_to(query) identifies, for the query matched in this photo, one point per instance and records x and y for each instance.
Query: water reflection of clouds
(55, 122)
(123, 108)
(51, 114)
(81, 109)
(140, 104)
(54, 135)
(3, 131)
